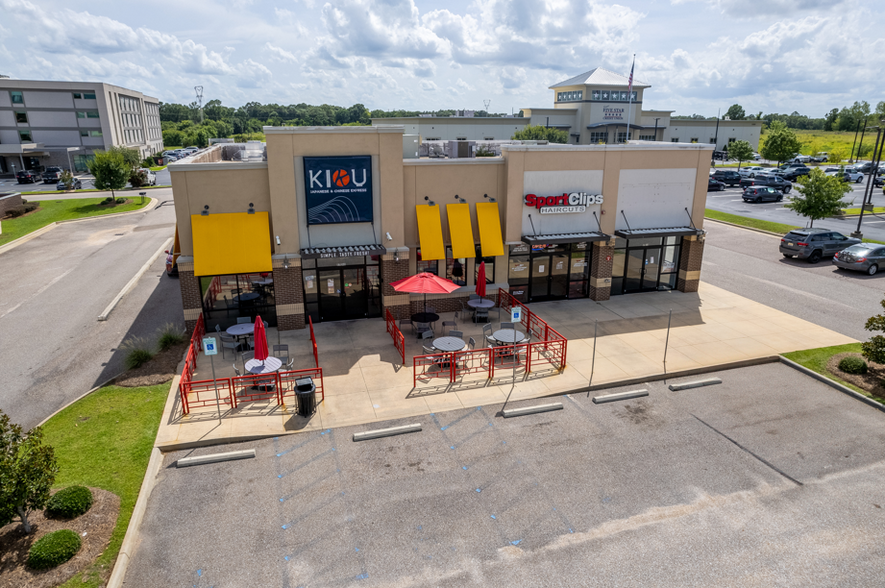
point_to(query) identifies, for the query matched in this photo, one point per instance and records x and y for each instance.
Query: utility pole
(860, 145)
(656, 127)
(877, 158)
(199, 91)
(716, 139)
(853, 145)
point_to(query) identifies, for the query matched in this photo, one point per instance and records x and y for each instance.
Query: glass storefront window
(226, 298)
(456, 268)
(518, 276)
(490, 266)
(431, 266)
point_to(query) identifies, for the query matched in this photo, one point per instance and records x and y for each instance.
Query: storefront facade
(321, 221)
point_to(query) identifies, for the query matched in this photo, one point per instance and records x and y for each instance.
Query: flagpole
(630, 97)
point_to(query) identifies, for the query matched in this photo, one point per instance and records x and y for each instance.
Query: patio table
(268, 366)
(480, 303)
(449, 344)
(247, 297)
(425, 317)
(508, 336)
(241, 330)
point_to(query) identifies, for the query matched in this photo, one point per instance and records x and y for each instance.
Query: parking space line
(769, 464)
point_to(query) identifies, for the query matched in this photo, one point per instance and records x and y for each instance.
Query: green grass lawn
(57, 210)
(752, 223)
(157, 168)
(839, 143)
(105, 440)
(876, 209)
(816, 360)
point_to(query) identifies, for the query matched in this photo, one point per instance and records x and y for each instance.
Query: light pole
(877, 157)
(853, 145)
(656, 127)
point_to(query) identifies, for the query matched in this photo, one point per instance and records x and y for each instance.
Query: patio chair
(449, 324)
(431, 309)
(406, 322)
(236, 369)
(486, 332)
(229, 345)
(227, 306)
(458, 334)
(508, 326)
(421, 328)
(427, 335)
(243, 320)
(428, 350)
(246, 356)
(217, 328)
(481, 313)
(278, 349)
(290, 364)
(474, 297)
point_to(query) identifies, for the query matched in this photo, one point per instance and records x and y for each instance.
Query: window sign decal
(338, 189)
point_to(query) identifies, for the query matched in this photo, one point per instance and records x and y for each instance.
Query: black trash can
(305, 393)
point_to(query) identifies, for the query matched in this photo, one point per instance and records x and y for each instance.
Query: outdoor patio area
(364, 378)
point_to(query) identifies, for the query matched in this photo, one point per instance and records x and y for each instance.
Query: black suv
(772, 180)
(793, 173)
(865, 167)
(727, 176)
(52, 175)
(27, 176)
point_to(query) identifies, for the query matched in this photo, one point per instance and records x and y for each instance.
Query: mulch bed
(98, 523)
(869, 382)
(161, 368)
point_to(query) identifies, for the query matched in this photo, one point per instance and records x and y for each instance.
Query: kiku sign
(338, 189)
(573, 202)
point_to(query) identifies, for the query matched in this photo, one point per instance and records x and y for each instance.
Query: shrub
(121, 200)
(138, 352)
(107, 200)
(170, 336)
(853, 365)
(53, 549)
(69, 502)
(22, 209)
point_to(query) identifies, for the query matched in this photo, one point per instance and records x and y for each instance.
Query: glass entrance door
(354, 294)
(643, 269)
(540, 277)
(331, 307)
(559, 264)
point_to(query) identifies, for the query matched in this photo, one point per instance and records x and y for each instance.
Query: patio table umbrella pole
(260, 337)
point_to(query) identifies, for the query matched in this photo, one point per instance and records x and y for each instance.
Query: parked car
(51, 174)
(813, 244)
(864, 167)
(794, 173)
(714, 185)
(801, 159)
(151, 176)
(849, 174)
(863, 257)
(761, 193)
(76, 184)
(756, 156)
(26, 176)
(751, 171)
(727, 176)
(821, 157)
(771, 180)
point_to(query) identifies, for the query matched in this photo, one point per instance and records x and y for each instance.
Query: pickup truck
(772, 180)
(52, 175)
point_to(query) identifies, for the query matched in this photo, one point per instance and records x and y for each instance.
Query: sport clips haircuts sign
(338, 189)
(574, 202)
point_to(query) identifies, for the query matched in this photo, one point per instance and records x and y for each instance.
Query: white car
(851, 174)
(756, 156)
(151, 176)
(751, 171)
(802, 159)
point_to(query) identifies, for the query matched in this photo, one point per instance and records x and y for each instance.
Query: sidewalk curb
(764, 232)
(124, 556)
(832, 383)
(147, 265)
(42, 230)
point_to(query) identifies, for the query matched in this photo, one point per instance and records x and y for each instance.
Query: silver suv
(813, 244)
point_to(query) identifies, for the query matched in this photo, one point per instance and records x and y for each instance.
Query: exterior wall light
(251, 208)
(490, 199)
(459, 199)
(205, 211)
(285, 261)
(429, 201)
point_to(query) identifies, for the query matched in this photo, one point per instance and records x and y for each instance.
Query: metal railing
(399, 341)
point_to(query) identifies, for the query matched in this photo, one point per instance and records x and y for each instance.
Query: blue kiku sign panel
(338, 189)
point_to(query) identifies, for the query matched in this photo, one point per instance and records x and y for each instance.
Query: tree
(821, 195)
(830, 119)
(540, 133)
(736, 112)
(740, 151)
(27, 472)
(130, 156)
(110, 170)
(874, 349)
(780, 143)
(137, 178)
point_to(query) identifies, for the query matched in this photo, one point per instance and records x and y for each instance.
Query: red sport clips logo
(566, 199)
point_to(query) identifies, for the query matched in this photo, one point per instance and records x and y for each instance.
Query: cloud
(428, 86)
(279, 54)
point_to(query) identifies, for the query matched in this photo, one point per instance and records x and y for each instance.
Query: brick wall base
(601, 256)
(690, 260)
(391, 271)
(191, 300)
(289, 295)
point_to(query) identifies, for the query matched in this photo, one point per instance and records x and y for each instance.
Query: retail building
(320, 221)
(63, 123)
(594, 107)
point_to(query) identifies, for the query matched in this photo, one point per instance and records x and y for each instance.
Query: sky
(698, 55)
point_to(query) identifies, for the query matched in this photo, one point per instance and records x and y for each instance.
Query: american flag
(630, 83)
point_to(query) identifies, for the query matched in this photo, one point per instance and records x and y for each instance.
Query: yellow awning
(235, 243)
(461, 231)
(430, 232)
(489, 229)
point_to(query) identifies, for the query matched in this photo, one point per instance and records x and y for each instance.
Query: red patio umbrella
(425, 283)
(260, 340)
(481, 280)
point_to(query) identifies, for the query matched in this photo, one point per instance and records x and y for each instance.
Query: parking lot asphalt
(770, 478)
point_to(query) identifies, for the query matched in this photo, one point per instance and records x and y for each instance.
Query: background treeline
(846, 119)
(182, 127)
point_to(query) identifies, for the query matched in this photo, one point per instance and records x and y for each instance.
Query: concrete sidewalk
(365, 381)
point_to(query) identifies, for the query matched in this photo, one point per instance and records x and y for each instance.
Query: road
(729, 200)
(728, 485)
(748, 263)
(53, 348)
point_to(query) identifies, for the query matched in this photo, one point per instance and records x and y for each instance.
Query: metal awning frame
(343, 251)
(560, 238)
